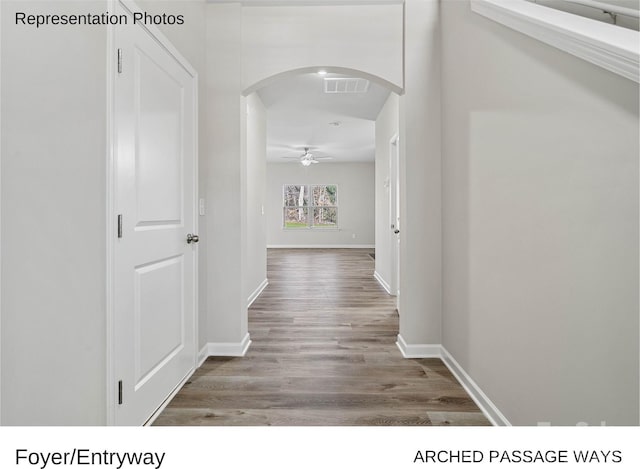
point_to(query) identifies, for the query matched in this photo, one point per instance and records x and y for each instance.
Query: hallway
(323, 353)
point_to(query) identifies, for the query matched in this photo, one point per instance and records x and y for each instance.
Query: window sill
(611, 47)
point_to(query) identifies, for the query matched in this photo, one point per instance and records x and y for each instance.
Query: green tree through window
(310, 206)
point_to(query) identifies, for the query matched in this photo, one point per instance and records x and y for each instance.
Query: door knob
(191, 238)
(396, 231)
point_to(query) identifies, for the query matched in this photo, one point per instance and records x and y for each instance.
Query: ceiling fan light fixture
(306, 162)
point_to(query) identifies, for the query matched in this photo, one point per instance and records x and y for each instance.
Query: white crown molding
(382, 282)
(611, 47)
(256, 292)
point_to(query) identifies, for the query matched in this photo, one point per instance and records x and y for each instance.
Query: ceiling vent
(345, 85)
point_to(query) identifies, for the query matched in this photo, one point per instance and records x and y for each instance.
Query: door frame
(394, 206)
(0, 244)
(111, 175)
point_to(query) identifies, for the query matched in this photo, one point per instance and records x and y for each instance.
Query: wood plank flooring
(323, 353)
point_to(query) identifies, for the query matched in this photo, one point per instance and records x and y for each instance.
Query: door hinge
(120, 392)
(119, 226)
(119, 60)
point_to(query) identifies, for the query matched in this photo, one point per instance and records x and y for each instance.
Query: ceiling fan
(307, 158)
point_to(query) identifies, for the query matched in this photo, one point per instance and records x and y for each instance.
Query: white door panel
(158, 315)
(154, 284)
(160, 111)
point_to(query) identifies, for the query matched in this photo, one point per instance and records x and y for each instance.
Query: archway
(384, 237)
(329, 69)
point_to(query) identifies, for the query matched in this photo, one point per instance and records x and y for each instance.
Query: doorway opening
(318, 173)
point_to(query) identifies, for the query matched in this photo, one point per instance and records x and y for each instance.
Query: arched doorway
(338, 116)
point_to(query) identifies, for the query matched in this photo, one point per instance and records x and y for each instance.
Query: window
(310, 206)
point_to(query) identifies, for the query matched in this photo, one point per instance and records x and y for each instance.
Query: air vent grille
(345, 85)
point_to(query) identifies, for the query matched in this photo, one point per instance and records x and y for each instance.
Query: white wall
(387, 126)
(226, 176)
(53, 219)
(278, 39)
(420, 177)
(256, 250)
(540, 225)
(356, 206)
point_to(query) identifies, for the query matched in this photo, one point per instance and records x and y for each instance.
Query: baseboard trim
(321, 246)
(257, 291)
(488, 408)
(224, 349)
(382, 282)
(419, 350)
(485, 404)
(202, 355)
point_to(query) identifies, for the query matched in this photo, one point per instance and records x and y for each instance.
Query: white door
(154, 275)
(394, 214)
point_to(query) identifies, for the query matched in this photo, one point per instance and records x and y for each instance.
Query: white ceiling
(308, 2)
(300, 114)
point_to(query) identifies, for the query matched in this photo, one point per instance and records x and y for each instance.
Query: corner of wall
(224, 349)
(488, 408)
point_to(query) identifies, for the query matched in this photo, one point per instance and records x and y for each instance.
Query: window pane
(324, 195)
(296, 217)
(325, 217)
(295, 196)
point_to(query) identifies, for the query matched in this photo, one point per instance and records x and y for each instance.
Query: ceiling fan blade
(323, 157)
(314, 161)
(296, 148)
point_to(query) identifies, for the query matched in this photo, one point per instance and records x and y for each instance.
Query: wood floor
(323, 353)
